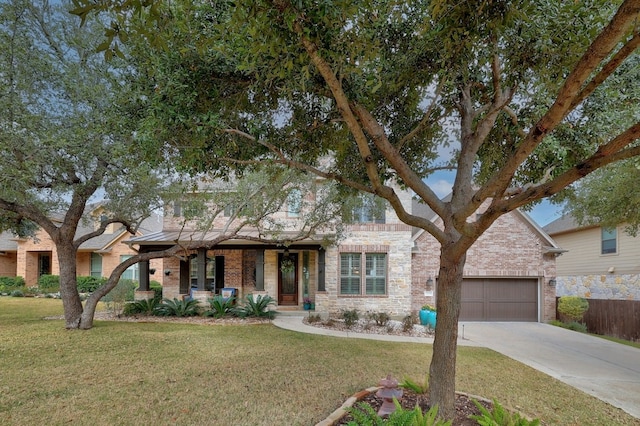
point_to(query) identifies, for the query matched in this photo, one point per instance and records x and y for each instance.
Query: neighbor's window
(96, 265)
(609, 240)
(374, 279)
(369, 209)
(132, 272)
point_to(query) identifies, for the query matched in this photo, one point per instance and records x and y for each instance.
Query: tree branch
(620, 25)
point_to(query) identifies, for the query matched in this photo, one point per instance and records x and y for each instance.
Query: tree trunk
(68, 285)
(442, 371)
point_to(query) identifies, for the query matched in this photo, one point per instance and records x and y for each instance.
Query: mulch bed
(464, 406)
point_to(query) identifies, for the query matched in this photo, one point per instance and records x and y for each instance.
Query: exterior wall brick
(26, 258)
(510, 248)
(8, 264)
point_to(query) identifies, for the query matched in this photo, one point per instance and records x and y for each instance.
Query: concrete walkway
(607, 370)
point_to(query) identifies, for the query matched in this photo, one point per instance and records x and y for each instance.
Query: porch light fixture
(429, 283)
(552, 282)
(167, 272)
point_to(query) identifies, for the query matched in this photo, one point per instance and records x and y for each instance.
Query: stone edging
(340, 412)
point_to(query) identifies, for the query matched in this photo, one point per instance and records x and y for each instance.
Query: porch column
(143, 292)
(144, 275)
(202, 269)
(185, 276)
(259, 270)
(202, 294)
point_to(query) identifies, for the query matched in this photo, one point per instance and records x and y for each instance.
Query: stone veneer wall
(392, 239)
(616, 287)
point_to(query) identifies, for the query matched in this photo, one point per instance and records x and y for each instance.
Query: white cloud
(441, 187)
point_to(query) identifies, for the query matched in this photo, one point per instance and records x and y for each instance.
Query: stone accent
(143, 295)
(613, 287)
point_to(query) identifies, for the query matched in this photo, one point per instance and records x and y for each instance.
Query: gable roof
(550, 246)
(565, 223)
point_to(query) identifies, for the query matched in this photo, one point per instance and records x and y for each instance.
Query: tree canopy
(519, 98)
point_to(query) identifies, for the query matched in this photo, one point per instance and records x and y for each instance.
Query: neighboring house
(600, 263)
(381, 265)
(32, 257)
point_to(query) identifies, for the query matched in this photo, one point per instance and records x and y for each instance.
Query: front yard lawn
(155, 373)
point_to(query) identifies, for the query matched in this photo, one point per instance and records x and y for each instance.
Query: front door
(287, 279)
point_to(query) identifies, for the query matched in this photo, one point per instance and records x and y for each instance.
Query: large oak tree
(519, 98)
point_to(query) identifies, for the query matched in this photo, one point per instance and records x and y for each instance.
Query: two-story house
(380, 265)
(600, 262)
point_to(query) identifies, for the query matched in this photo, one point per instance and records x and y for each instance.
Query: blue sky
(543, 213)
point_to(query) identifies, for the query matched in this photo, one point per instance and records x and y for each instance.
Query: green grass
(122, 373)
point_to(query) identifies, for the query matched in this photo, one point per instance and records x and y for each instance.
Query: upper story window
(368, 209)
(363, 274)
(609, 241)
(294, 203)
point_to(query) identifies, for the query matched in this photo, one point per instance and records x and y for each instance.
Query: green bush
(157, 290)
(89, 284)
(220, 306)
(419, 388)
(144, 307)
(17, 293)
(500, 417)
(9, 284)
(121, 293)
(177, 308)
(573, 307)
(364, 415)
(258, 307)
(49, 283)
(350, 317)
(577, 326)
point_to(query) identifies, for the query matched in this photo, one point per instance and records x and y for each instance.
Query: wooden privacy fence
(617, 318)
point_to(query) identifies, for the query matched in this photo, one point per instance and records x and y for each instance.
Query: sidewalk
(294, 323)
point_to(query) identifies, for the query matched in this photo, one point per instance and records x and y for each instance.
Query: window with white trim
(96, 265)
(609, 241)
(132, 272)
(368, 209)
(363, 274)
(294, 203)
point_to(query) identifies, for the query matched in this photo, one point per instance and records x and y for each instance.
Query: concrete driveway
(609, 371)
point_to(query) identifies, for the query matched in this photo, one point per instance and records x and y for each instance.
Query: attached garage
(499, 299)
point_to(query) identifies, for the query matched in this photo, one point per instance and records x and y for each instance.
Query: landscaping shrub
(144, 307)
(177, 308)
(89, 284)
(364, 414)
(573, 307)
(380, 318)
(157, 290)
(500, 417)
(49, 283)
(220, 306)
(350, 317)
(121, 293)
(577, 326)
(314, 318)
(8, 284)
(258, 307)
(17, 293)
(408, 322)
